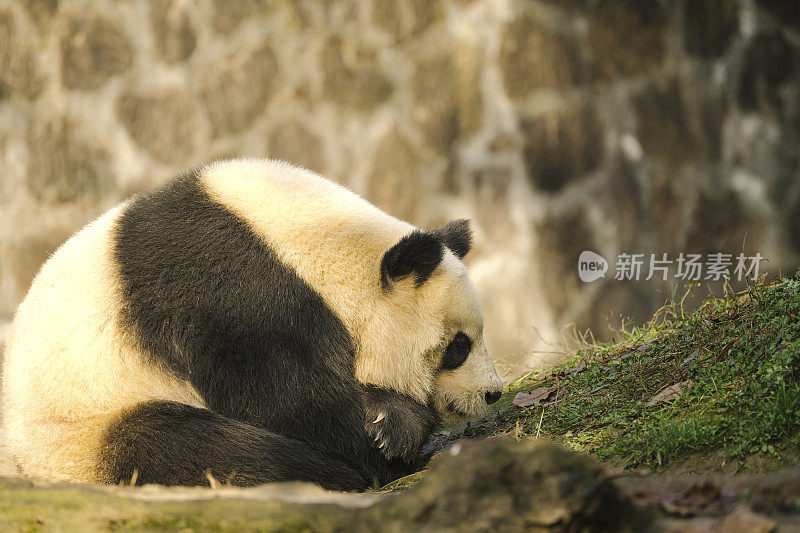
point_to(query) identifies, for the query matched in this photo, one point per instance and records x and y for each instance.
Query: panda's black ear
(456, 235)
(417, 253)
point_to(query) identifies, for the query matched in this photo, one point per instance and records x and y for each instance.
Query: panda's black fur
(210, 301)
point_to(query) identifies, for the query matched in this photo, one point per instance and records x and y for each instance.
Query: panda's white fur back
(73, 366)
(66, 375)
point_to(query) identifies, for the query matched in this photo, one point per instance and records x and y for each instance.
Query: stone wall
(558, 126)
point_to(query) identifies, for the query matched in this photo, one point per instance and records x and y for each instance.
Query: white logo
(591, 266)
(691, 267)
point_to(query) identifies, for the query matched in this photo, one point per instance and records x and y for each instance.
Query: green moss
(402, 483)
(742, 354)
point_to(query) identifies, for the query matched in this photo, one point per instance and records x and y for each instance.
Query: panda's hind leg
(175, 444)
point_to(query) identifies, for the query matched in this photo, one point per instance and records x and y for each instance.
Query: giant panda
(249, 321)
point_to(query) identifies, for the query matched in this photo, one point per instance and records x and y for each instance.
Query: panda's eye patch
(456, 352)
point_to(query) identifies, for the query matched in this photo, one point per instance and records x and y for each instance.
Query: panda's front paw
(398, 424)
(393, 439)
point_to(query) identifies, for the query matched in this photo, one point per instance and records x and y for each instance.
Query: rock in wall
(558, 126)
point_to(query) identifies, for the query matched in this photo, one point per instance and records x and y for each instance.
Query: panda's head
(434, 317)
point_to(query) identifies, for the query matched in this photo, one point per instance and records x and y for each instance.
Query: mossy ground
(741, 352)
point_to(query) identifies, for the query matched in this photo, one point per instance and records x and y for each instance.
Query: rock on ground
(496, 484)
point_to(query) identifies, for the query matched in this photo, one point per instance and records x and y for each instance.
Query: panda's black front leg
(398, 424)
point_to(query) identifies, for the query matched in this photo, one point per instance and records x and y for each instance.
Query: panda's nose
(493, 396)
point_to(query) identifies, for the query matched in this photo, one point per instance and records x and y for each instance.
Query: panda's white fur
(72, 366)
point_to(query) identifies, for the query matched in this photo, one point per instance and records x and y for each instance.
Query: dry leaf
(576, 369)
(644, 347)
(540, 395)
(553, 398)
(725, 349)
(671, 392)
